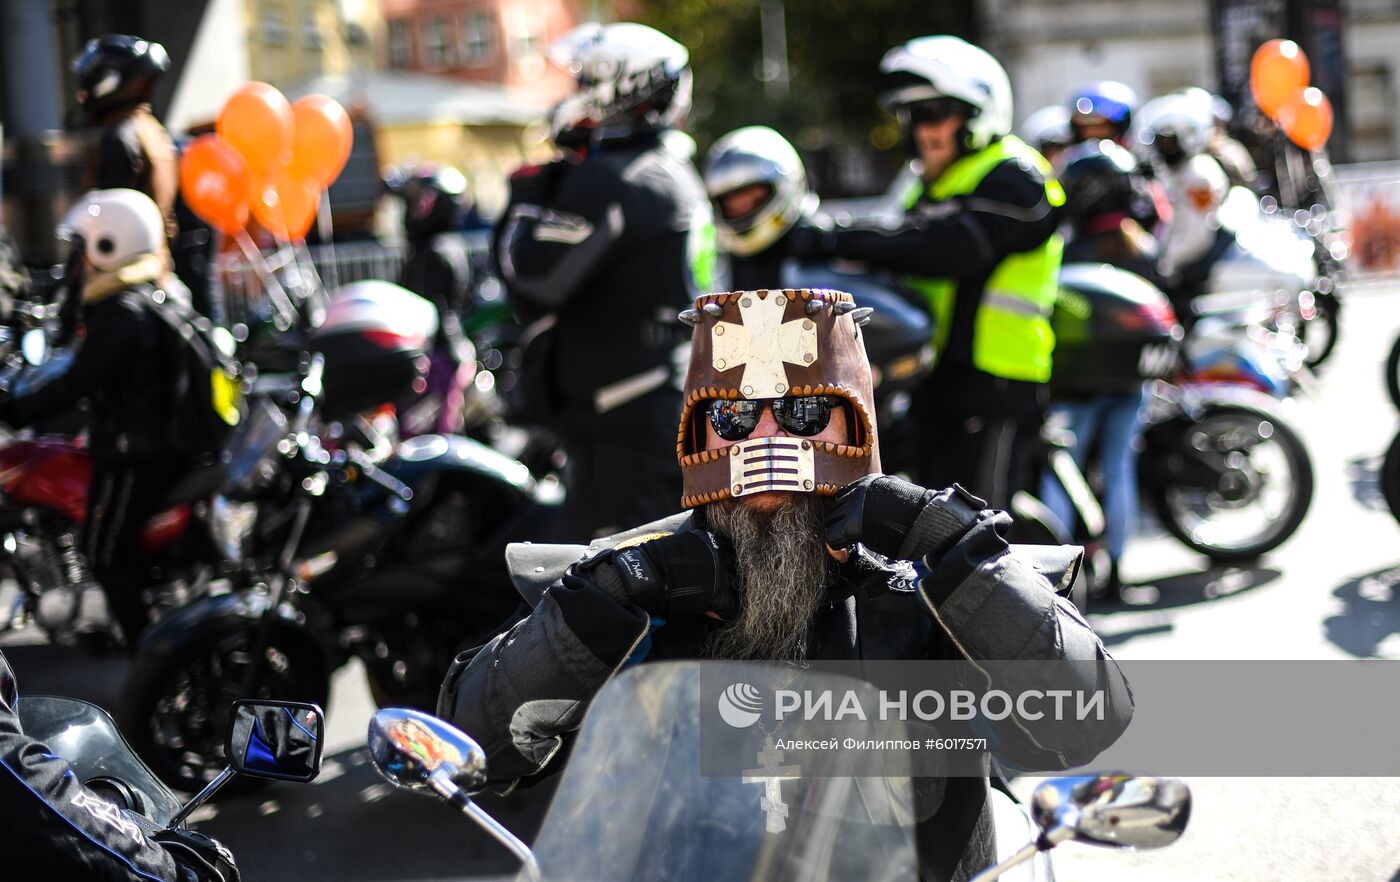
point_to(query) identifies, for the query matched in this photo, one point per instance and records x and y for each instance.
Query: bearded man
(795, 548)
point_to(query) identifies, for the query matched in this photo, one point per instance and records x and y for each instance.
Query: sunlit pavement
(1330, 593)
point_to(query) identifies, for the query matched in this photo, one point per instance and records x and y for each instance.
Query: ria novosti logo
(741, 705)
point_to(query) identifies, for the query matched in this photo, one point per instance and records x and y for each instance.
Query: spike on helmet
(771, 344)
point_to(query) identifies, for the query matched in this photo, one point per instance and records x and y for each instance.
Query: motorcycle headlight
(230, 525)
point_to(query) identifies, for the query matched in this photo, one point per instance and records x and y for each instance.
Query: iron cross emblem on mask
(763, 344)
(771, 775)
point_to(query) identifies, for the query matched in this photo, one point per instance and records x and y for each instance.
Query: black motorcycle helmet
(1098, 180)
(117, 71)
(434, 198)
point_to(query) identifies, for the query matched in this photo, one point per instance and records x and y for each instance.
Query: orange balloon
(1307, 119)
(257, 121)
(1277, 72)
(215, 182)
(285, 203)
(321, 138)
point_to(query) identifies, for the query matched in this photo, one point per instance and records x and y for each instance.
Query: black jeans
(121, 499)
(980, 431)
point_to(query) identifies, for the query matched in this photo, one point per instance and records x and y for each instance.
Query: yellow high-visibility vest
(1011, 331)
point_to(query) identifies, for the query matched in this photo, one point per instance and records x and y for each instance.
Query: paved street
(1330, 593)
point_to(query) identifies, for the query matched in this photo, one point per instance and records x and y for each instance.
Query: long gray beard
(782, 571)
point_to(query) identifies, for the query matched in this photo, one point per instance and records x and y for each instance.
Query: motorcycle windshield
(251, 452)
(85, 735)
(635, 802)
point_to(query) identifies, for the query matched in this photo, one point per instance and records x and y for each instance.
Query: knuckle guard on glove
(205, 855)
(684, 574)
(896, 518)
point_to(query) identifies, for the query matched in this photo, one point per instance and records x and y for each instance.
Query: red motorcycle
(43, 507)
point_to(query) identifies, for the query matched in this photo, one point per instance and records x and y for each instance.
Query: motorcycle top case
(375, 340)
(1113, 330)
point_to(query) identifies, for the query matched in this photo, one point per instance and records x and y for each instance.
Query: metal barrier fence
(336, 265)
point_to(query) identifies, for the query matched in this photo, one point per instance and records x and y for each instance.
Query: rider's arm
(548, 248)
(526, 692)
(111, 327)
(992, 605)
(55, 828)
(964, 237)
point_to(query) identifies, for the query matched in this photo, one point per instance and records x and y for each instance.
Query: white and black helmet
(634, 78)
(116, 227)
(749, 157)
(929, 68)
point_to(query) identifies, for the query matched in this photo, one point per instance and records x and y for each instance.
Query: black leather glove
(685, 574)
(809, 244)
(898, 519)
(205, 855)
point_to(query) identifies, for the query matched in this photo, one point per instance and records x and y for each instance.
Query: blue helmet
(1109, 102)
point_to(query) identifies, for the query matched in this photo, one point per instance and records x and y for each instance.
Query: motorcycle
(44, 482)
(86, 736)
(807, 821)
(1219, 464)
(395, 558)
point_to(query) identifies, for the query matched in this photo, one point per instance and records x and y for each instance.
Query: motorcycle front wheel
(1319, 333)
(1390, 478)
(1233, 484)
(175, 706)
(1392, 373)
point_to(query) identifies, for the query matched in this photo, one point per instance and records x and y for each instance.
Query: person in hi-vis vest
(978, 242)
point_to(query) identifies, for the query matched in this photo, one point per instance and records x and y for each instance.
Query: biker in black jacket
(612, 247)
(751, 574)
(120, 369)
(56, 828)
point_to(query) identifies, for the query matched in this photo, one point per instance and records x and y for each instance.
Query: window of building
(526, 36)
(273, 26)
(310, 34)
(400, 43)
(476, 38)
(435, 48)
(1372, 98)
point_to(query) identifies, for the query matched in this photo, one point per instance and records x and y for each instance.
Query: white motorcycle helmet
(1048, 128)
(756, 156)
(116, 227)
(948, 67)
(633, 78)
(1177, 126)
(570, 122)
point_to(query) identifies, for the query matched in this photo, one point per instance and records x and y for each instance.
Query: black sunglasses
(936, 110)
(806, 415)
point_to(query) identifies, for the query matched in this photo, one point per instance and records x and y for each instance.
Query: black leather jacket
(523, 696)
(55, 828)
(120, 369)
(614, 247)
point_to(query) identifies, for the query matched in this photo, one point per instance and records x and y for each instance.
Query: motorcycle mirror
(410, 747)
(1127, 811)
(278, 740)
(34, 345)
(421, 752)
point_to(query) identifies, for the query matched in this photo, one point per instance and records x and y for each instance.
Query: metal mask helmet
(761, 345)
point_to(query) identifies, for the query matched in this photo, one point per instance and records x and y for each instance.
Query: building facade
(491, 41)
(1051, 47)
